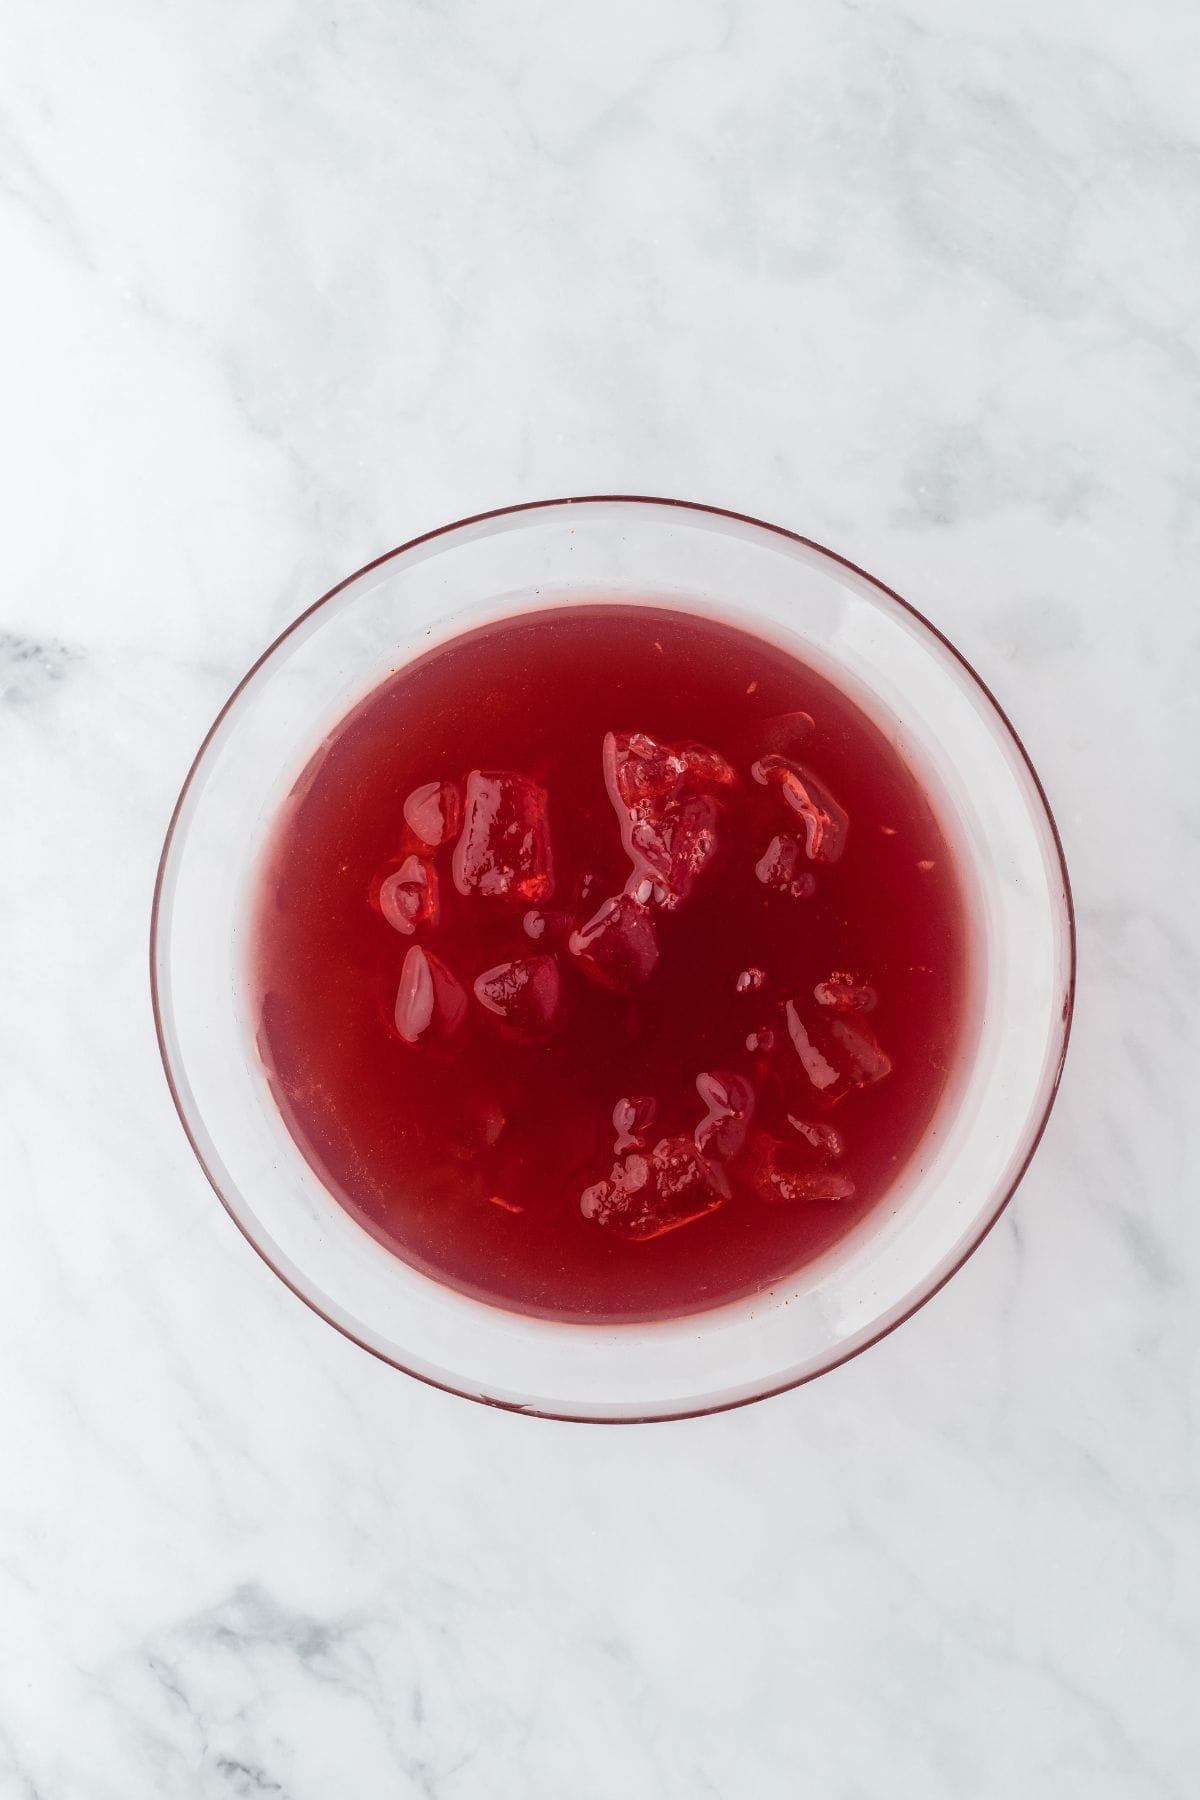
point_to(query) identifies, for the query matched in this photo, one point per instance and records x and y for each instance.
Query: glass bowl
(667, 553)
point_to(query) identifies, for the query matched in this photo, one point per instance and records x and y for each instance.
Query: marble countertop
(286, 285)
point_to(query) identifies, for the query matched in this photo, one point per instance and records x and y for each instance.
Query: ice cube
(662, 794)
(632, 1120)
(837, 1052)
(784, 731)
(524, 996)
(637, 767)
(844, 992)
(647, 1196)
(408, 897)
(824, 1139)
(670, 845)
(779, 868)
(431, 1002)
(503, 852)
(729, 1104)
(805, 1184)
(540, 925)
(682, 1177)
(706, 768)
(868, 1062)
(617, 946)
(433, 812)
(475, 1122)
(825, 822)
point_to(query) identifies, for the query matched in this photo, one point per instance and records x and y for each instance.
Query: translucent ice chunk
(524, 996)
(845, 993)
(476, 1124)
(663, 796)
(433, 812)
(633, 1119)
(670, 845)
(867, 1061)
(806, 1184)
(824, 1139)
(784, 731)
(431, 1002)
(637, 767)
(549, 926)
(647, 1196)
(780, 869)
(409, 896)
(504, 850)
(825, 823)
(706, 768)
(729, 1103)
(837, 1052)
(681, 1175)
(617, 947)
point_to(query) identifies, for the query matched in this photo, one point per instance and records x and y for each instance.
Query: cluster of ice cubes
(669, 800)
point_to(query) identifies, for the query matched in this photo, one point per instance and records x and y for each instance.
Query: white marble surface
(285, 284)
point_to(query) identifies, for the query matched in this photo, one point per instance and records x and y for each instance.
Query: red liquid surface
(652, 1111)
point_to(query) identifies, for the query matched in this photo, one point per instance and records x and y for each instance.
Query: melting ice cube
(844, 992)
(409, 896)
(524, 996)
(806, 1184)
(729, 1104)
(837, 1052)
(503, 852)
(824, 1139)
(433, 812)
(618, 946)
(780, 869)
(637, 767)
(431, 1002)
(825, 822)
(647, 1196)
(632, 1120)
(662, 794)
(784, 731)
(670, 845)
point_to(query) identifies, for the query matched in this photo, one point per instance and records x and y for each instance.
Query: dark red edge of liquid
(967, 1023)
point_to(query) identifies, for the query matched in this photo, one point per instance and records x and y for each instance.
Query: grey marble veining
(284, 286)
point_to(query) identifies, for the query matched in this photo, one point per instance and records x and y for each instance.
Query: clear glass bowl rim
(988, 1219)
